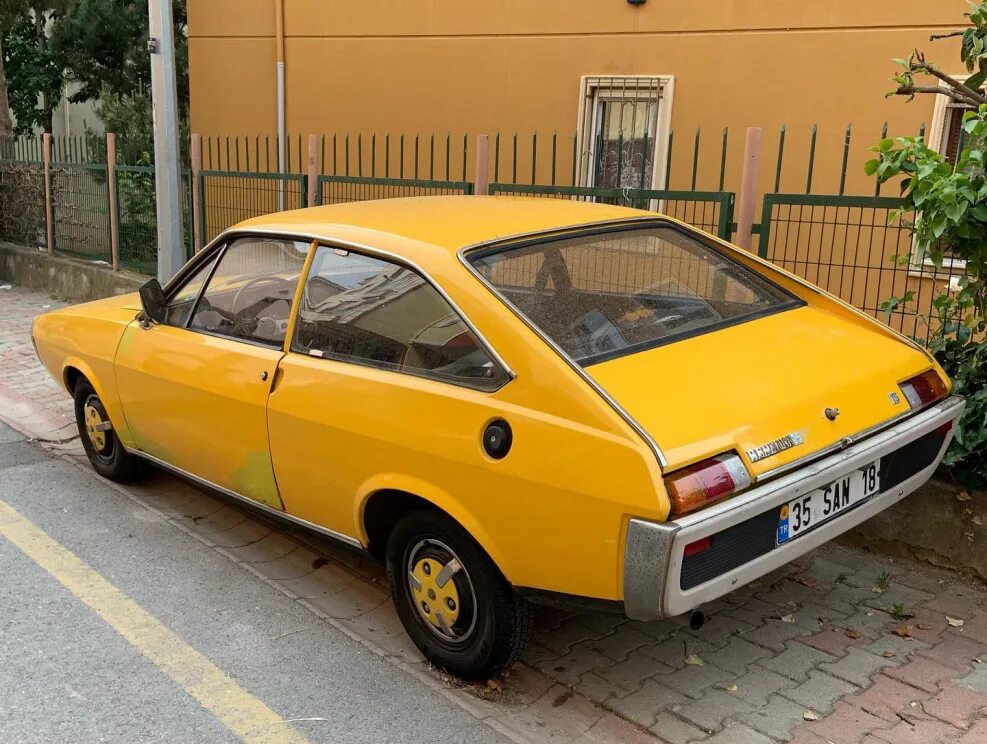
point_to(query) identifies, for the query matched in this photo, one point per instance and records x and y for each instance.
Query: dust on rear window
(609, 294)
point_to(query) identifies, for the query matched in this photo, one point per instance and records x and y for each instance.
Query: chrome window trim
(352, 541)
(587, 226)
(575, 366)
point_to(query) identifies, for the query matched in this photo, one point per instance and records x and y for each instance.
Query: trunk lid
(745, 387)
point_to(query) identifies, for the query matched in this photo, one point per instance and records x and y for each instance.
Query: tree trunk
(6, 120)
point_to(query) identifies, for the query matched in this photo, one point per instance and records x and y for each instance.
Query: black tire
(491, 622)
(106, 454)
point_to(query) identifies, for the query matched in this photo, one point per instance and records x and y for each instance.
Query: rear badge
(894, 398)
(777, 446)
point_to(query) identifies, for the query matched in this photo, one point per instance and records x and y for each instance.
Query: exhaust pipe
(697, 619)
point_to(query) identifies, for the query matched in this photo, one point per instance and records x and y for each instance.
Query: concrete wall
(63, 278)
(515, 65)
(940, 523)
(74, 119)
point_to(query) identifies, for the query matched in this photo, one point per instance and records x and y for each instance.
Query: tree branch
(911, 90)
(975, 98)
(936, 37)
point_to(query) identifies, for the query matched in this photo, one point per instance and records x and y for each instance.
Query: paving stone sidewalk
(841, 646)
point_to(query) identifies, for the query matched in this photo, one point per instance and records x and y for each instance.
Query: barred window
(620, 131)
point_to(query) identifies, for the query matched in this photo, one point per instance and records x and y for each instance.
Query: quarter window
(182, 302)
(249, 295)
(360, 309)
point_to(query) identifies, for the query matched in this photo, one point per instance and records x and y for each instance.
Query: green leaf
(977, 81)
(871, 166)
(939, 227)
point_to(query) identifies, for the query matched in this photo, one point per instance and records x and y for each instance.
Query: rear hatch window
(612, 293)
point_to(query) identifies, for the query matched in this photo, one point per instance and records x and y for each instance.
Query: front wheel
(102, 446)
(452, 600)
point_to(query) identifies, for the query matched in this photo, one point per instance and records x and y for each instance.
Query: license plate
(806, 512)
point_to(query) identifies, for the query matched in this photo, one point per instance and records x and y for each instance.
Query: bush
(949, 204)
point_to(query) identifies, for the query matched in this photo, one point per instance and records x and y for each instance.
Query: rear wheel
(455, 604)
(102, 446)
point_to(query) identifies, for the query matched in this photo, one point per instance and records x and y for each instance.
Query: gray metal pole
(167, 154)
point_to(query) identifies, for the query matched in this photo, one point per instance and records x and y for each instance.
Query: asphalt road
(205, 649)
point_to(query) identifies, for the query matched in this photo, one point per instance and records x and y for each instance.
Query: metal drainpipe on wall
(279, 26)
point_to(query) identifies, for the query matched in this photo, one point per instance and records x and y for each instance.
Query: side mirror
(153, 301)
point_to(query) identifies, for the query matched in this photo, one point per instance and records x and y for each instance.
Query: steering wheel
(253, 283)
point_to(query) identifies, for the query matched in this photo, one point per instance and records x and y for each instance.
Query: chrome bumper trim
(652, 581)
(247, 501)
(647, 555)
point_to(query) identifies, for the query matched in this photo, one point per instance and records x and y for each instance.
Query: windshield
(609, 294)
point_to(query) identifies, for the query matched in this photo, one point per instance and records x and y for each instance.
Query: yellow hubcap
(93, 420)
(435, 593)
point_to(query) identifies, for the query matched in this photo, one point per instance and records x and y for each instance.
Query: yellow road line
(237, 709)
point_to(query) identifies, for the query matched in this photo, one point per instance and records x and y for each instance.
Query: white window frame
(923, 265)
(589, 89)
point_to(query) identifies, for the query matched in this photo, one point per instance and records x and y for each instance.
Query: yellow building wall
(462, 66)
(469, 67)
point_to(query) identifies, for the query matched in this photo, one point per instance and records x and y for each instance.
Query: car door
(377, 354)
(194, 389)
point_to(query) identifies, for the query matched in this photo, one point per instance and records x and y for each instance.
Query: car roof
(449, 222)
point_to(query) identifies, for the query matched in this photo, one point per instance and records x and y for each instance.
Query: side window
(181, 303)
(249, 295)
(363, 310)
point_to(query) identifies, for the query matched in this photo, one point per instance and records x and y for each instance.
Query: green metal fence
(841, 242)
(137, 217)
(415, 157)
(80, 206)
(342, 189)
(229, 197)
(849, 246)
(711, 211)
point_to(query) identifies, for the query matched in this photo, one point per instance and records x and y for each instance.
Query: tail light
(705, 482)
(924, 389)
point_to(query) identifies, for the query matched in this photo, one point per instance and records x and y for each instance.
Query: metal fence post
(313, 169)
(49, 208)
(748, 187)
(196, 158)
(111, 185)
(482, 176)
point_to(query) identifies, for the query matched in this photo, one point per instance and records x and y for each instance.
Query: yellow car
(510, 400)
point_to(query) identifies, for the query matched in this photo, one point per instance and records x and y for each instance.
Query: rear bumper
(660, 582)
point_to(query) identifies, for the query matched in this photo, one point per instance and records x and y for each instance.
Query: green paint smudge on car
(255, 479)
